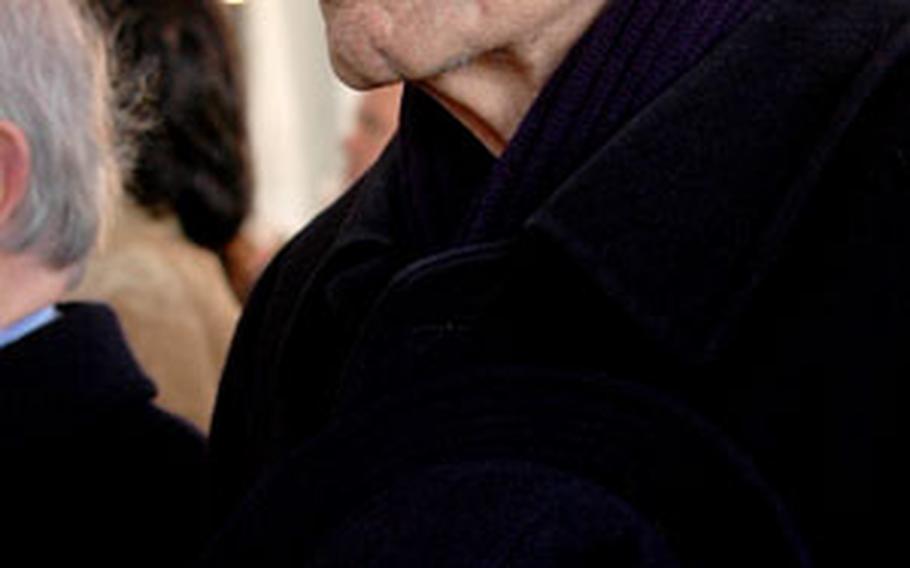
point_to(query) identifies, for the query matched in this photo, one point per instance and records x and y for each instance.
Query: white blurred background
(299, 112)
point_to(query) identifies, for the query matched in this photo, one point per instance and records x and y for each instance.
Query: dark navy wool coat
(741, 246)
(92, 473)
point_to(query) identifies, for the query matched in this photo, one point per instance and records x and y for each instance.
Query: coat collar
(679, 215)
(77, 365)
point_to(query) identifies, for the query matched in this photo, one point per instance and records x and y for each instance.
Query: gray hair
(54, 85)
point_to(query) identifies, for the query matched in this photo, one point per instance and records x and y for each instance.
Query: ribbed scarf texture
(458, 193)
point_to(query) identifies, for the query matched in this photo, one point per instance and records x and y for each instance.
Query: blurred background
(192, 234)
(299, 113)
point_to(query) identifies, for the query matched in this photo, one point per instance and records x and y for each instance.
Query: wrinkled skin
(374, 42)
(483, 60)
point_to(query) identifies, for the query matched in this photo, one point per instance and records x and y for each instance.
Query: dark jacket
(741, 245)
(92, 472)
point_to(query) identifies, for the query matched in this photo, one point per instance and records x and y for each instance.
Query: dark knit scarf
(458, 193)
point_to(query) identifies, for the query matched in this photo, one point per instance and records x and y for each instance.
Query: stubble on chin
(367, 51)
(359, 37)
(454, 63)
(368, 65)
(355, 74)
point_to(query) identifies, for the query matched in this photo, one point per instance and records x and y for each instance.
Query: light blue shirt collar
(27, 325)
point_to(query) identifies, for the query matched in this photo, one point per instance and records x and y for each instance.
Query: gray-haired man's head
(55, 100)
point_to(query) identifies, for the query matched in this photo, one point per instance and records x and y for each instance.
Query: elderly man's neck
(28, 285)
(491, 94)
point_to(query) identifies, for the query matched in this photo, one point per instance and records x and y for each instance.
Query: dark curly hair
(194, 161)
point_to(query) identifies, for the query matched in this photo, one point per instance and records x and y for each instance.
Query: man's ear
(15, 165)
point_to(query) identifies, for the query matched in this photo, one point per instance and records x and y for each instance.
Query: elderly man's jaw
(355, 32)
(485, 60)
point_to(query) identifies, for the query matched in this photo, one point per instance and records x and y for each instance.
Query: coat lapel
(679, 216)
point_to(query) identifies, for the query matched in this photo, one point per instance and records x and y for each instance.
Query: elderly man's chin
(363, 73)
(372, 69)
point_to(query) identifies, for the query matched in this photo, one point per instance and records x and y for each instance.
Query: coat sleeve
(241, 411)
